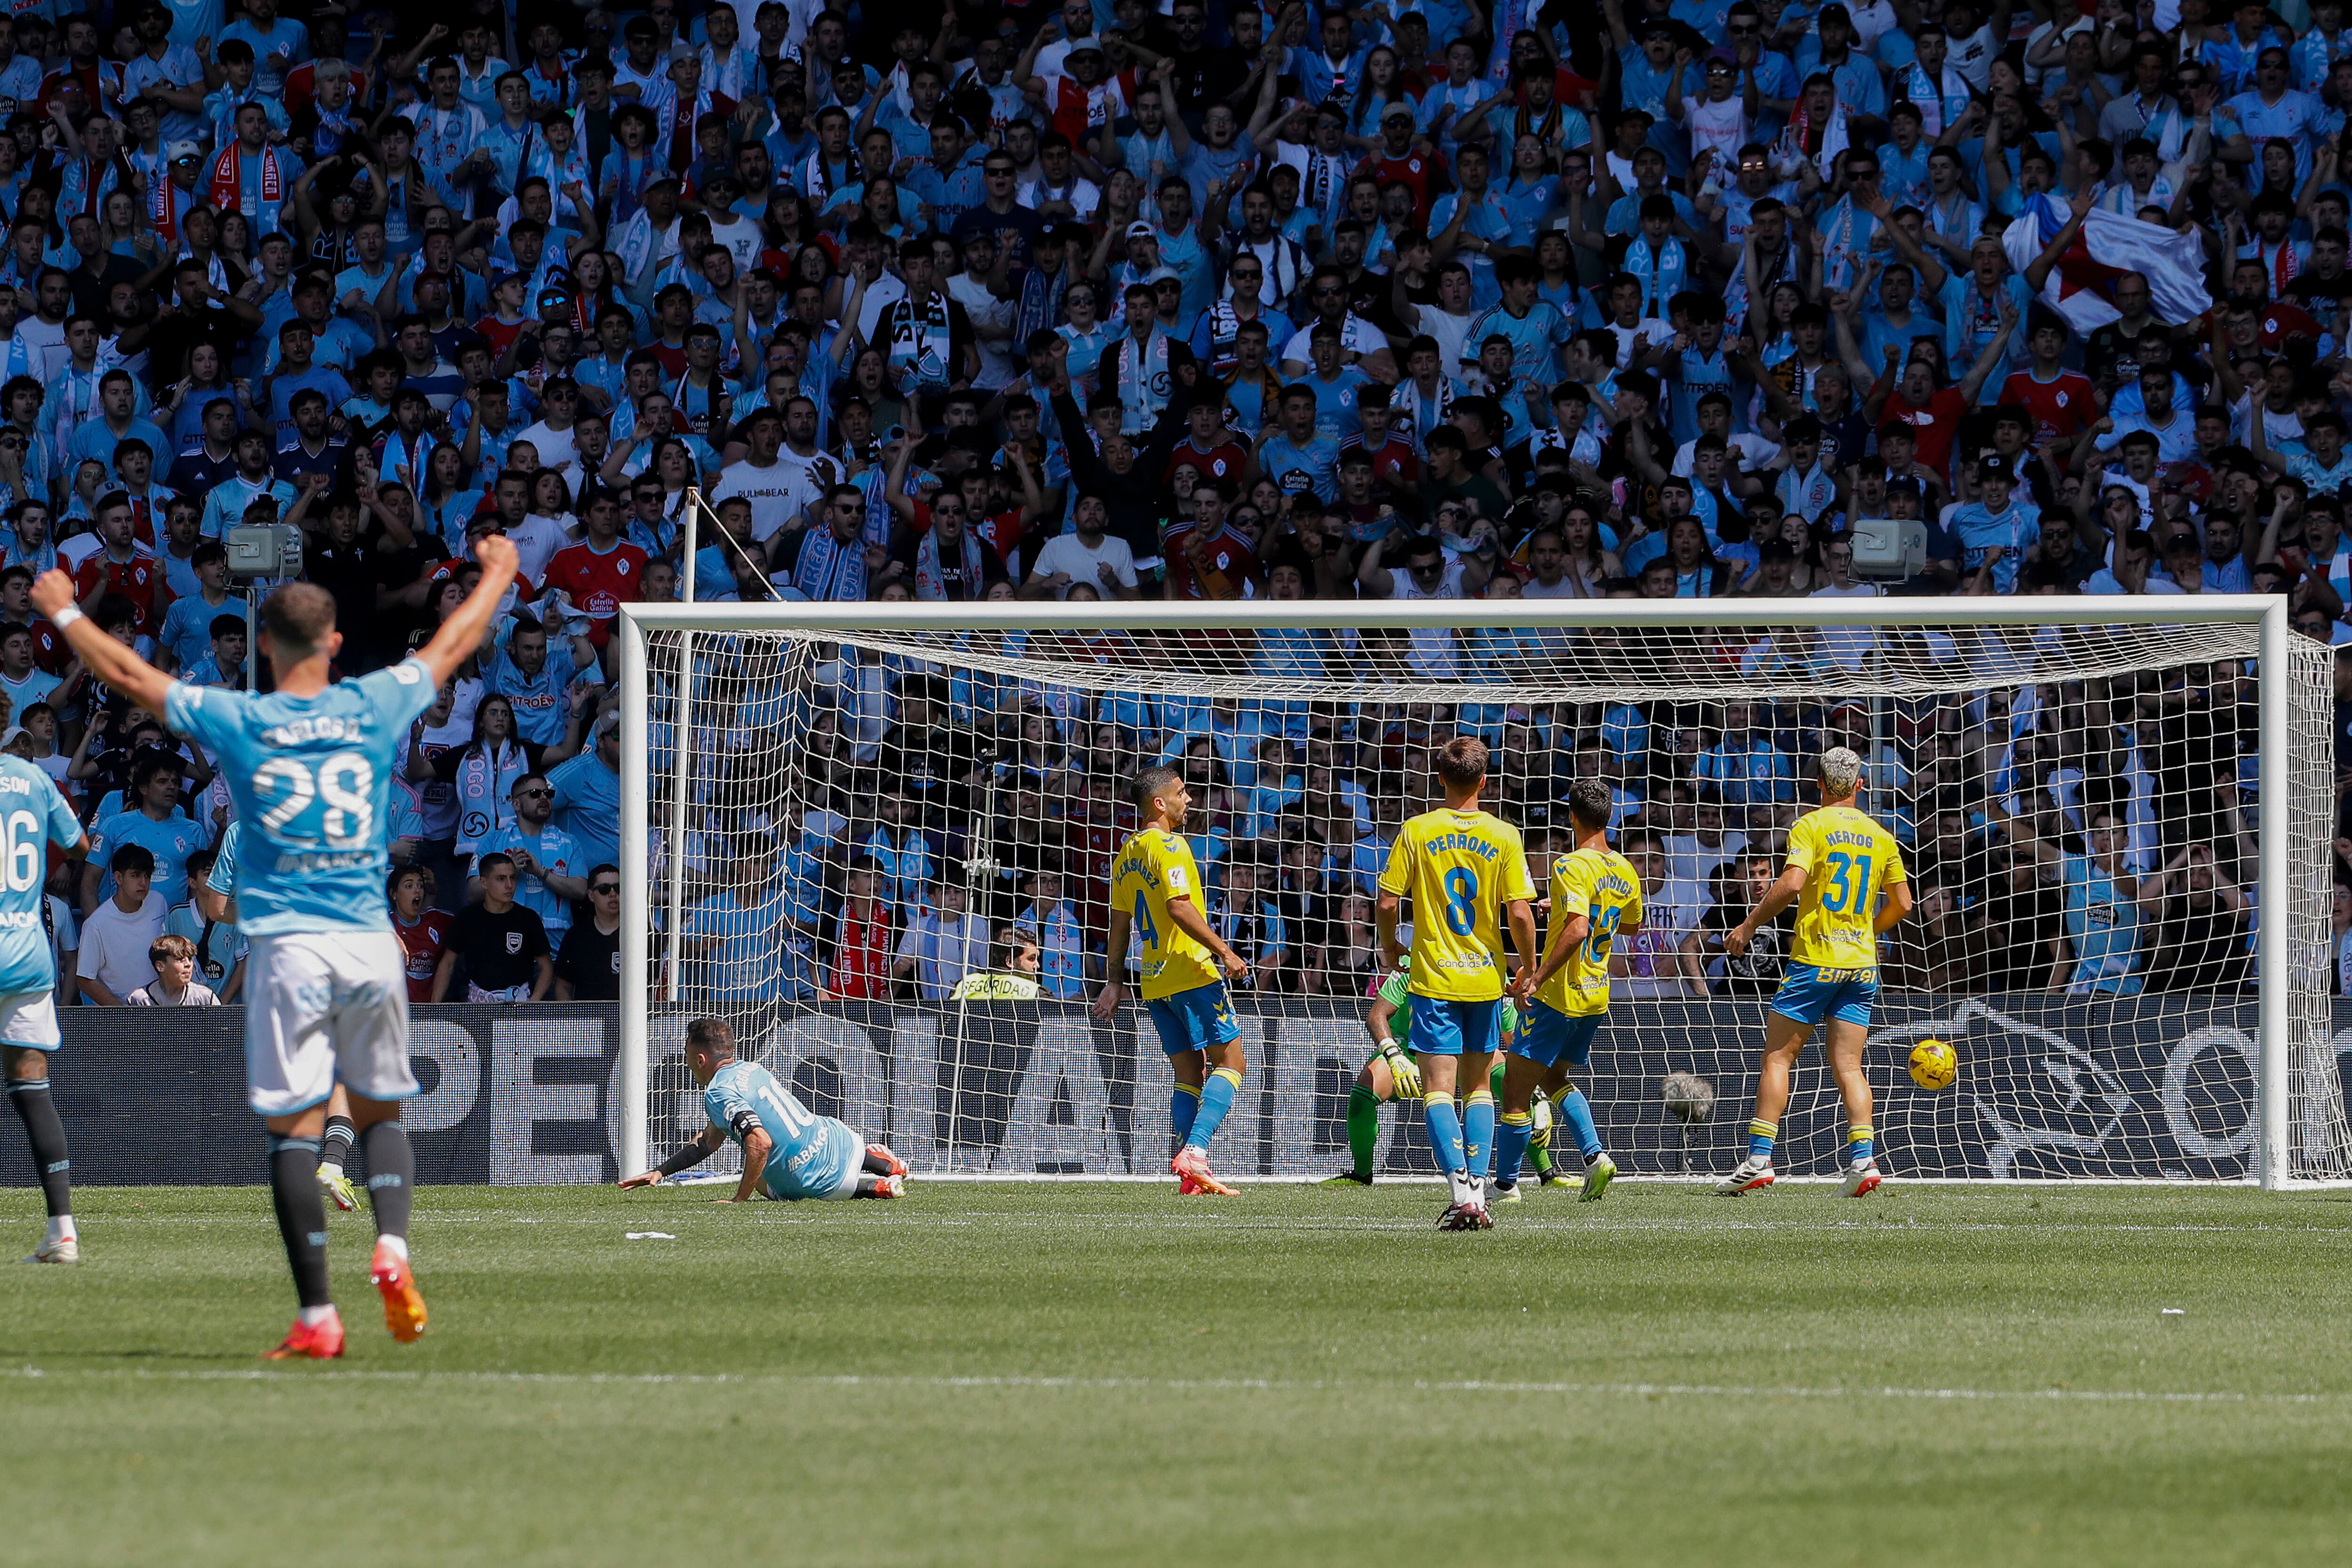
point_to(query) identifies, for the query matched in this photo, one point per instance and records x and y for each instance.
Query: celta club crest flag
(2081, 287)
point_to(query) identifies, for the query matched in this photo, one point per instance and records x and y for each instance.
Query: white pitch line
(1245, 1384)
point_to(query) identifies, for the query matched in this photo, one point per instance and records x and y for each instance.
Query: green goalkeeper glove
(1404, 1072)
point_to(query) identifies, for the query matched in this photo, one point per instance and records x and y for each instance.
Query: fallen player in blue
(789, 1151)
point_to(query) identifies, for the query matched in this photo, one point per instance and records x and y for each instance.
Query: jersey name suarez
(313, 777)
(1155, 866)
(1849, 861)
(1601, 885)
(809, 1155)
(33, 815)
(1458, 869)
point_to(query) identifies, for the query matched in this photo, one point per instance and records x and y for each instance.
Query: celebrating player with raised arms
(1840, 863)
(1595, 894)
(1465, 872)
(33, 815)
(789, 1152)
(1155, 890)
(309, 770)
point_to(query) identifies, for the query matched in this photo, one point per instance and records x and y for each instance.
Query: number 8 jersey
(1458, 869)
(312, 780)
(1848, 860)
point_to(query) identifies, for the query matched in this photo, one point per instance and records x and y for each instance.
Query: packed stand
(1188, 300)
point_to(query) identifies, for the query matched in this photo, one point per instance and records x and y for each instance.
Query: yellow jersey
(1459, 869)
(1154, 867)
(1848, 860)
(1603, 887)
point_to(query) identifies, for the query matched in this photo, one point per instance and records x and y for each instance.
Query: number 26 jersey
(312, 780)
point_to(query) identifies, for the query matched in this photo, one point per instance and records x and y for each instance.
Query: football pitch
(1103, 1374)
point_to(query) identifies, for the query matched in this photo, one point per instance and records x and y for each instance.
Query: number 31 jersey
(33, 815)
(1848, 861)
(312, 780)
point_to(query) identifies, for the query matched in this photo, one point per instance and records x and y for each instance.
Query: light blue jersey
(815, 1156)
(170, 841)
(32, 814)
(313, 774)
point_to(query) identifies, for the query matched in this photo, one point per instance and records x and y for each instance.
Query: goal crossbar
(2263, 620)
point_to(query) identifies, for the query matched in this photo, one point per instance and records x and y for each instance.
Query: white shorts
(321, 1007)
(29, 1018)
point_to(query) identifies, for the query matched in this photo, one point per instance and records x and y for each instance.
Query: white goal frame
(2274, 957)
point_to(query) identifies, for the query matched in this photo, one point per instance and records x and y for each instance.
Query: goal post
(2015, 743)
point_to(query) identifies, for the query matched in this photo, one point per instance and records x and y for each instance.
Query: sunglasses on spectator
(533, 794)
(602, 889)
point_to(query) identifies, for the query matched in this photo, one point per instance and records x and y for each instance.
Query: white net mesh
(867, 823)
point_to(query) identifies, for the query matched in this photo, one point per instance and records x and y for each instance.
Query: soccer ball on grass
(1934, 1065)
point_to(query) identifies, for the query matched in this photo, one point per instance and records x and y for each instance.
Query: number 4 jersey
(33, 815)
(312, 780)
(1848, 861)
(1599, 885)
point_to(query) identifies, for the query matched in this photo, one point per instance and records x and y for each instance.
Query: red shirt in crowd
(139, 580)
(420, 949)
(861, 960)
(2059, 407)
(598, 583)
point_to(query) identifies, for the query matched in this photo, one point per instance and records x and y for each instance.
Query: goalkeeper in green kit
(1391, 1074)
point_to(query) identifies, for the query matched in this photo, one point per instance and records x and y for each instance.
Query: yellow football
(1934, 1064)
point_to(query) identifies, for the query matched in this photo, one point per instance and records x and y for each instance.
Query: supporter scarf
(928, 584)
(1797, 139)
(221, 190)
(1225, 327)
(485, 779)
(921, 346)
(829, 570)
(1144, 381)
(1041, 302)
(2282, 267)
(163, 210)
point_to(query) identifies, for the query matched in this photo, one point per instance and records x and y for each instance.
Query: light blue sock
(1576, 1111)
(1761, 1135)
(1184, 1105)
(1512, 1135)
(1859, 1145)
(1444, 1124)
(1478, 1132)
(1216, 1099)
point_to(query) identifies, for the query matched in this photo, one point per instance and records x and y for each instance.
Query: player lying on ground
(1840, 862)
(789, 1152)
(1155, 891)
(309, 769)
(29, 982)
(1595, 894)
(1466, 871)
(215, 899)
(1388, 1074)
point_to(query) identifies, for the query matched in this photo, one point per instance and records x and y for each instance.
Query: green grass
(1103, 1375)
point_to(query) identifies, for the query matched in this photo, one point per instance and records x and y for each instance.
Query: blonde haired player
(1466, 873)
(1595, 894)
(1155, 889)
(1846, 873)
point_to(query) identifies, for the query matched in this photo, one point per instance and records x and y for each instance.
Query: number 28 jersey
(312, 780)
(1459, 869)
(1154, 867)
(1848, 861)
(1603, 887)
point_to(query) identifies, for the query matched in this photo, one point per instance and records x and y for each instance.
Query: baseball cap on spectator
(179, 150)
(1396, 111)
(1083, 46)
(1652, 26)
(503, 278)
(1833, 12)
(1993, 466)
(1139, 230)
(554, 294)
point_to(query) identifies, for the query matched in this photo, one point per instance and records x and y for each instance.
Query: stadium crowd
(1431, 300)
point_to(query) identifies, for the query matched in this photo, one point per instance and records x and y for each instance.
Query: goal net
(880, 840)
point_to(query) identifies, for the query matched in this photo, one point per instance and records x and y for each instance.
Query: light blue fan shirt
(313, 774)
(33, 815)
(812, 1155)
